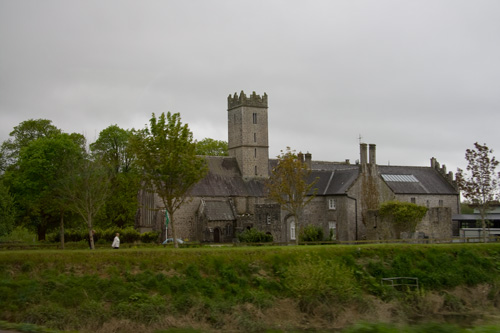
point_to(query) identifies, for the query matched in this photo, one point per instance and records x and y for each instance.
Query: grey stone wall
(268, 220)
(369, 191)
(436, 224)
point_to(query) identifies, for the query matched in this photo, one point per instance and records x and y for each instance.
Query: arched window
(292, 228)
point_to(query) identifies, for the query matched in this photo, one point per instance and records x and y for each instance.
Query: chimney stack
(300, 156)
(373, 154)
(363, 153)
(309, 160)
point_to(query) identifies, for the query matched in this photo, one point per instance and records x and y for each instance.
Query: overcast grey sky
(420, 79)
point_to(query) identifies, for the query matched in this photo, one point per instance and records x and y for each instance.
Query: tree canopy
(166, 154)
(113, 149)
(36, 179)
(22, 134)
(211, 147)
(404, 215)
(289, 185)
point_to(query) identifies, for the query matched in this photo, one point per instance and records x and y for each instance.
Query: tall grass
(83, 289)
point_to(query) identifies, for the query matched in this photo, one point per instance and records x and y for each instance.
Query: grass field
(278, 289)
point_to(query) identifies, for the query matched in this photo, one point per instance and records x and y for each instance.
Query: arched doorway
(217, 235)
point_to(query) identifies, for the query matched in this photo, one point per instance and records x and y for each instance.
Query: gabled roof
(217, 210)
(334, 182)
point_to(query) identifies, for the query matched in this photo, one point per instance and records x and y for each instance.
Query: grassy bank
(249, 289)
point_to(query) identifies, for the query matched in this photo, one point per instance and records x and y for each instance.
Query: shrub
(311, 233)
(19, 234)
(149, 237)
(254, 236)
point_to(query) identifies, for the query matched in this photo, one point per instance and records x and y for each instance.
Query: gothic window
(292, 228)
(255, 118)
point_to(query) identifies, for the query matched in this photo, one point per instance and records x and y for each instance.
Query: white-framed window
(332, 204)
(292, 228)
(332, 227)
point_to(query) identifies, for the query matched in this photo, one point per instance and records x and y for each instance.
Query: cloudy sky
(420, 79)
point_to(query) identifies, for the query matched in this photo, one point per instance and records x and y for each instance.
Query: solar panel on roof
(400, 178)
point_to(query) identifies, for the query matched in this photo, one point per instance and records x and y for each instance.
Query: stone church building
(232, 196)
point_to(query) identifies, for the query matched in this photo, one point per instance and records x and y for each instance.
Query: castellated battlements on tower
(253, 100)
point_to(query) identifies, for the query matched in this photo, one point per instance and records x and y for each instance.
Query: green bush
(127, 235)
(311, 233)
(254, 236)
(19, 234)
(150, 237)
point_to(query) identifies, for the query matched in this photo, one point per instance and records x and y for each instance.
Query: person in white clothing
(116, 242)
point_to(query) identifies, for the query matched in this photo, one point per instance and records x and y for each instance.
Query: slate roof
(430, 181)
(334, 182)
(218, 210)
(224, 180)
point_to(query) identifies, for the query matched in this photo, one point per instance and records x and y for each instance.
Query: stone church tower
(248, 134)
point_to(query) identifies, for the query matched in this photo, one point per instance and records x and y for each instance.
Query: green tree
(35, 180)
(86, 189)
(7, 210)
(211, 147)
(113, 148)
(404, 215)
(290, 186)
(166, 154)
(22, 134)
(480, 186)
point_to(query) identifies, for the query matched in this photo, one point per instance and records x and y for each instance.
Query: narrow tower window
(255, 137)
(255, 153)
(255, 118)
(256, 170)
